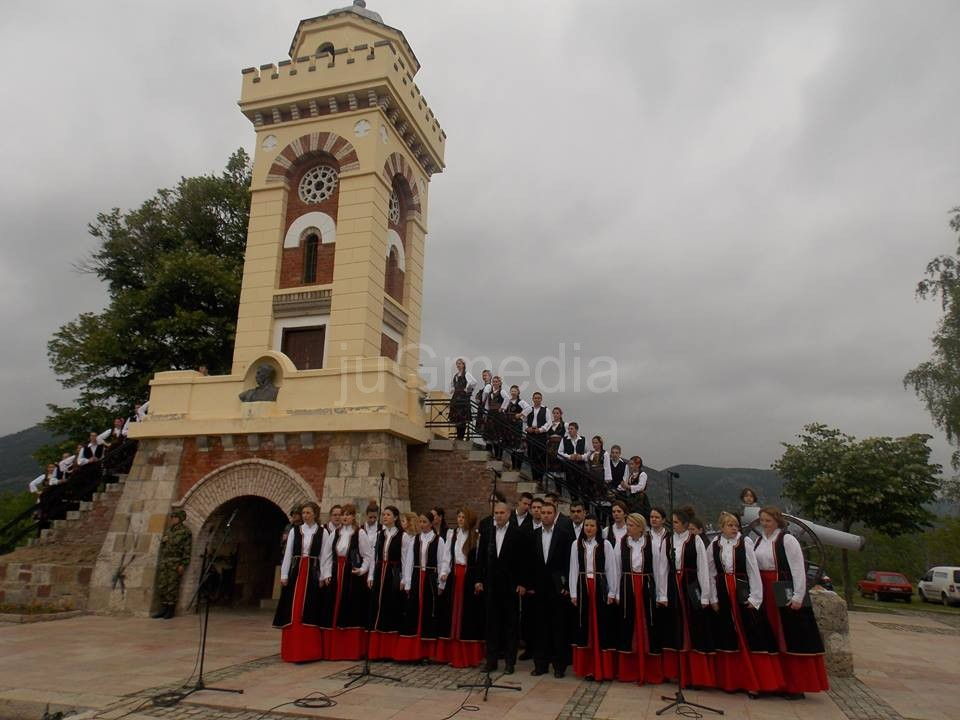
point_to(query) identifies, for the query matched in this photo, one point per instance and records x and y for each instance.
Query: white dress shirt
(534, 427)
(500, 532)
(611, 566)
(577, 529)
(574, 440)
(661, 565)
(37, 483)
(307, 532)
(703, 567)
(545, 538)
(634, 483)
(766, 560)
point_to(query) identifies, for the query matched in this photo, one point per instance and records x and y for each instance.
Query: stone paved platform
(110, 667)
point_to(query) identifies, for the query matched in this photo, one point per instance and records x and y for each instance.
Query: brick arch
(312, 144)
(262, 478)
(395, 165)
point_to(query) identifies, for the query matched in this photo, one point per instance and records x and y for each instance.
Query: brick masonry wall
(291, 262)
(309, 462)
(52, 584)
(448, 478)
(291, 266)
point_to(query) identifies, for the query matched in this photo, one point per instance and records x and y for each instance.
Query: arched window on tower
(327, 49)
(310, 249)
(394, 276)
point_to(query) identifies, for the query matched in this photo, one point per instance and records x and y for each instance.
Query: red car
(882, 585)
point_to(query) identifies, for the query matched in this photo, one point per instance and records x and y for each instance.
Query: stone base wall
(133, 540)
(354, 466)
(452, 475)
(831, 612)
(50, 584)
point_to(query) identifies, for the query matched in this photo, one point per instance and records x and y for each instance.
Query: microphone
(230, 521)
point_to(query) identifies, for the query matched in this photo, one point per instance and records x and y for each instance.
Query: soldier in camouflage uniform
(174, 558)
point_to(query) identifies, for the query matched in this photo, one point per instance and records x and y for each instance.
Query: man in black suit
(563, 521)
(551, 597)
(521, 516)
(505, 554)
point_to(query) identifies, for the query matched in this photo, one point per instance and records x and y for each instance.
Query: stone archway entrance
(261, 492)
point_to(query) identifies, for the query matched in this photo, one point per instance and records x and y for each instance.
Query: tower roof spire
(360, 8)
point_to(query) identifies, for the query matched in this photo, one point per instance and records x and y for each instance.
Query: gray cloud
(734, 201)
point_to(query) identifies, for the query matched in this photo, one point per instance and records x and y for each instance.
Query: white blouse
(408, 560)
(343, 547)
(610, 561)
(661, 566)
(307, 532)
(458, 556)
(727, 547)
(766, 559)
(618, 533)
(659, 570)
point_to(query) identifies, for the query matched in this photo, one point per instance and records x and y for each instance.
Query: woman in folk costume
(513, 435)
(618, 528)
(598, 465)
(556, 429)
(344, 566)
(440, 526)
(688, 649)
(462, 385)
(300, 608)
(385, 581)
(494, 399)
(465, 611)
(640, 658)
(424, 561)
(660, 547)
(594, 586)
(783, 573)
(479, 398)
(746, 650)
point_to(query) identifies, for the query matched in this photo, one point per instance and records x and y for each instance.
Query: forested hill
(17, 467)
(712, 489)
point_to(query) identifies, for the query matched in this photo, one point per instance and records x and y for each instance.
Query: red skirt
(698, 667)
(459, 653)
(743, 669)
(592, 660)
(802, 673)
(342, 643)
(414, 647)
(299, 642)
(639, 666)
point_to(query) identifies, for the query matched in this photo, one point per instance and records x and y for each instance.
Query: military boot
(168, 615)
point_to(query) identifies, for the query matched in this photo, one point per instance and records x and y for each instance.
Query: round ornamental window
(394, 207)
(318, 184)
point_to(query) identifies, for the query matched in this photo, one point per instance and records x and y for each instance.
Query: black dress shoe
(526, 655)
(159, 614)
(508, 670)
(535, 672)
(168, 615)
(490, 667)
(559, 673)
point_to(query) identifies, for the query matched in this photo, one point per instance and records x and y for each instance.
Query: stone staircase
(55, 569)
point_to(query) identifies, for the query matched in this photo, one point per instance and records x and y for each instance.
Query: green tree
(937, 381)
(881, 482)
(172, 268)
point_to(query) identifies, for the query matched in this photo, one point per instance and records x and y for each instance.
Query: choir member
(746, 650)
(537, 422)
(385, 581)
(782, 570)
(115, 435)
(371, 526)
(139, 413)
(572, 449)
(462, 386)
(618, 528)
(660, 545)
(480, 400)
(333, 519)
(463, 638)
(748, 498)
(520, 516)
(563, 521)
(514, 412)
(424, 563)
(504, 557)
(598, 465)
(535, 509)
(94, 449)
(301, 605)
(688, 600)
(494, 399)
(440, 525)
(641, 583)
(616, 469)
(549, 587)
(42, 482)
(698, 528)
(295, 520)
(344, 566)
(578, 514)
(79, 455)
(553, 438)
(594, 585)
(632, 489)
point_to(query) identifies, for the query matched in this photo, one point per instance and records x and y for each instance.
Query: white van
(940, 584)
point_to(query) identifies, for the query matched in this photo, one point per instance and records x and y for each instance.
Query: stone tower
(329, 316)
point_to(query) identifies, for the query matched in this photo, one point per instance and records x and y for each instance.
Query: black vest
(538, 417)
(570, 448)
(617, 473)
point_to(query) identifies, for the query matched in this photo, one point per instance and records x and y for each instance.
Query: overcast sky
(734, 201)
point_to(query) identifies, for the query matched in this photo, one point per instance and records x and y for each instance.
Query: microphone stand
(678, 700)
(202, 596)
(364, 671)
